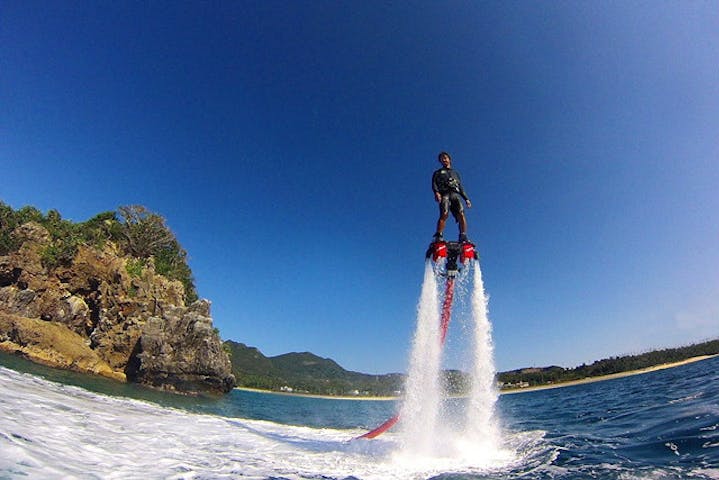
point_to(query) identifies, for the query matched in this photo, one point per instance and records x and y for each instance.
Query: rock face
(114, 313)
(31, 337)
(181, 351)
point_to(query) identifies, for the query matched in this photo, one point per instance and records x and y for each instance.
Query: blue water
(659, 425)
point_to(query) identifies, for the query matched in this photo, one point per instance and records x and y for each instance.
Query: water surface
(54, 424)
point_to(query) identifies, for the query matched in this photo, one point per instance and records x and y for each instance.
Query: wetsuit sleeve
(462, 192)
(435, 185)
(461, 188)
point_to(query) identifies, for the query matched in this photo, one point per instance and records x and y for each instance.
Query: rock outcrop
(180, 351)
(110, 315)
(51, 344)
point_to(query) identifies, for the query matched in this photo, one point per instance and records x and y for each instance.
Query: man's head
(445, 159)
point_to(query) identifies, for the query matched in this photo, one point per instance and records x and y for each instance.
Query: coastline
(582, 381)
(612, 376)
(312, 395)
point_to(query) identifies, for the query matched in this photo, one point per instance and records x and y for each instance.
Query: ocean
(60, 425)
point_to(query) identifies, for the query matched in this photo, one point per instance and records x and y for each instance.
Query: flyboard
(448, 259)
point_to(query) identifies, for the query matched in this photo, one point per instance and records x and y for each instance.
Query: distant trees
(305, 372)
(607, 366)
(138, 233)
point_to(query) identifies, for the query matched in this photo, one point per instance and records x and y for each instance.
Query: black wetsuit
(447, 183)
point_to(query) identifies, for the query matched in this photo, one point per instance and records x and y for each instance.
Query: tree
(143, 232)
(8, 222)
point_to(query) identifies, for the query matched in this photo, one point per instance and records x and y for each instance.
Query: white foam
(427, 433)
(422, 398)
(49, 430)
(482, 426)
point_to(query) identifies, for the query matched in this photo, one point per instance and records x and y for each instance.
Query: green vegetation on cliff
(111, 296)
(137, 232)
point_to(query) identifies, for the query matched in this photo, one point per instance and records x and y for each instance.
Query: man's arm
(462, 192)
(435, 187)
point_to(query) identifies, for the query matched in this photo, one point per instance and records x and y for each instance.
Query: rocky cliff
(107, 314)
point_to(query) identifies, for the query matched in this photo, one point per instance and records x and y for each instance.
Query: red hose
(382, 428)
(446, 308)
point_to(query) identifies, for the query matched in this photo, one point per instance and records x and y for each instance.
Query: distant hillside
(607, 366)
(249, 360)
(305, 372)
(308, 373)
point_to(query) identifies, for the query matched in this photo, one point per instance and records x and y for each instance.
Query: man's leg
(443, 214)
(462, 227)
(458, 213)
(462, 223)
(440, 225)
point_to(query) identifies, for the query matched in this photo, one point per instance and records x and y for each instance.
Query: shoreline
(312, 395)
(512, 391)
(611, 376)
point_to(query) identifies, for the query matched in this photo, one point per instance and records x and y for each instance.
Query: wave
(663, 426)
(51, 430)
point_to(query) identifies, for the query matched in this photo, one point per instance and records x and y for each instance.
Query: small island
(112, 296)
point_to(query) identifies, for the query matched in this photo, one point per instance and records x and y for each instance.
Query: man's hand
(437, 197)
(469, 203)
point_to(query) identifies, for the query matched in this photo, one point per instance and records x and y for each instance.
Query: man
(447, 188)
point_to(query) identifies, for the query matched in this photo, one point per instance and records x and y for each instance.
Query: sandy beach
(310, 395)
(601, 378)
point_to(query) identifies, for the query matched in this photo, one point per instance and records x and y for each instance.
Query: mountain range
(306, 372)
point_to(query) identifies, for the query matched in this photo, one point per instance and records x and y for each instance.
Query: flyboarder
(447, 188)
(448, 258)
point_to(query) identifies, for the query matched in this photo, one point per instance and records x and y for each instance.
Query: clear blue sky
(290, 147)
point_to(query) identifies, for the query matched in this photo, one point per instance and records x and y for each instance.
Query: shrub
(100, 229)
(8, 222)
(135, 266)
(58, 253)
(144, 234)
(140, 234)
